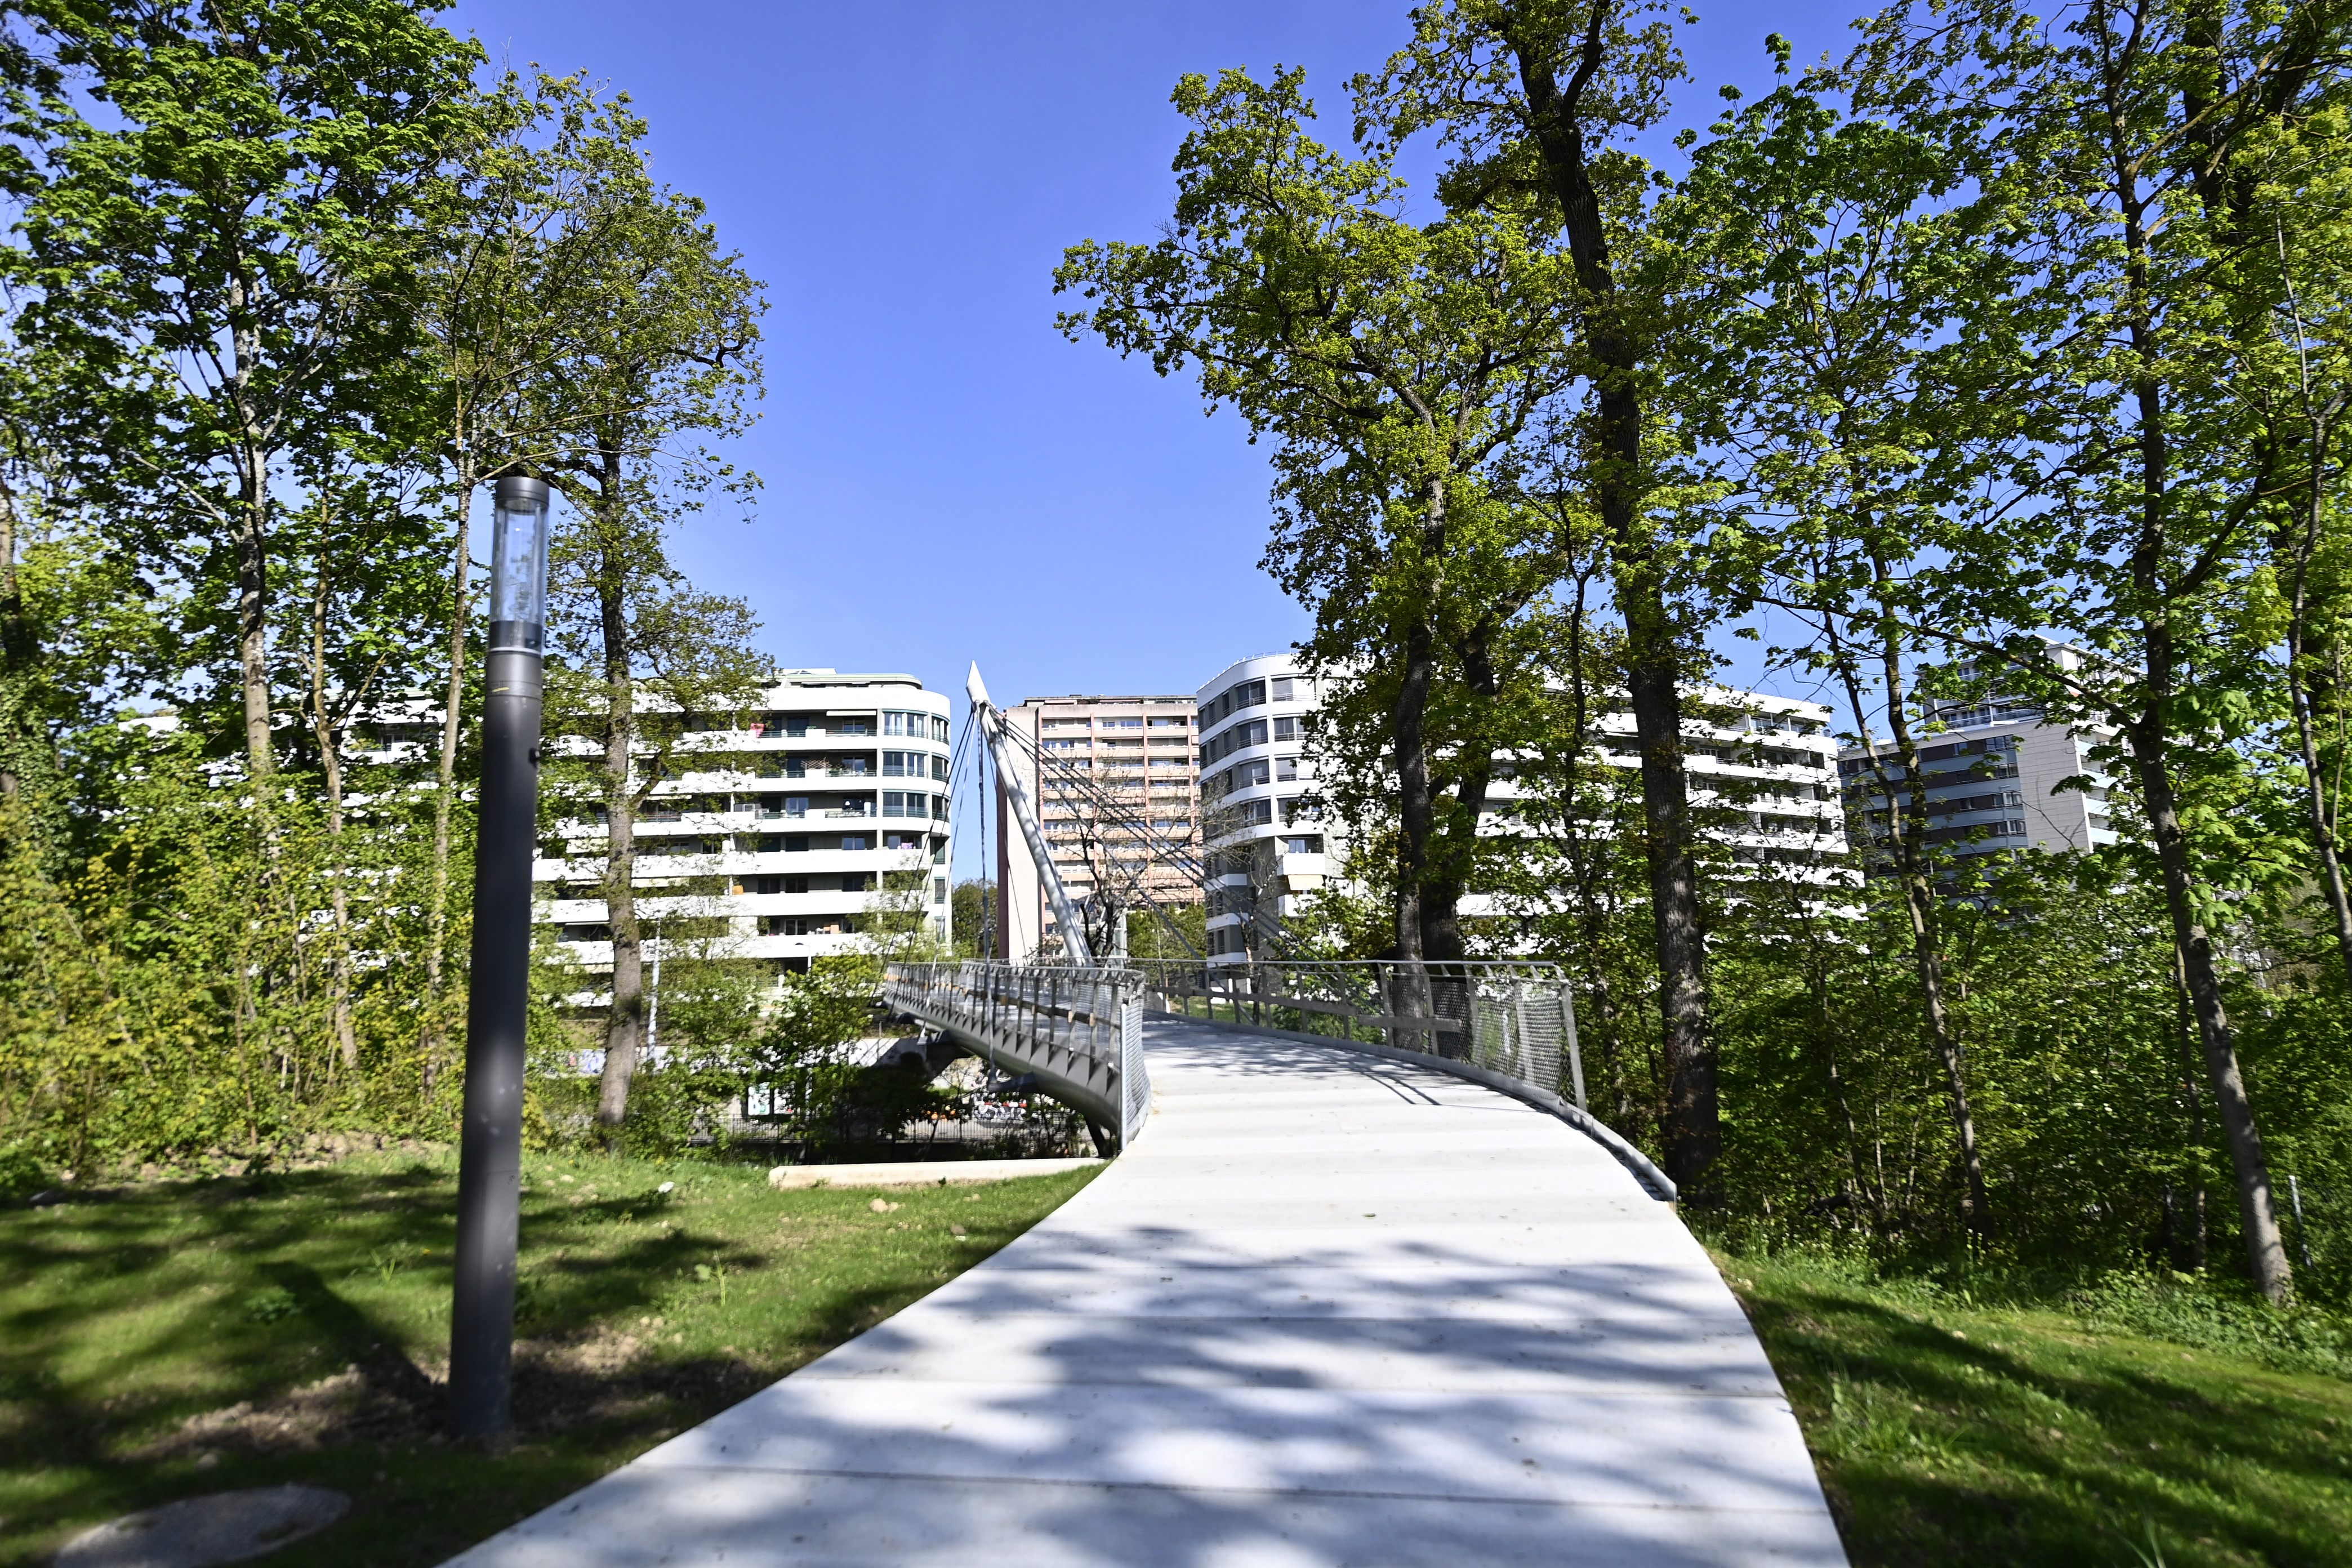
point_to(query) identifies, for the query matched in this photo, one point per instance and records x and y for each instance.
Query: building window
(938, 770)
(1285, 688)
(1122, 724)
(902, 840)
(938, 808)
(1248, 694)
(939, 731)
(850, 726)
(795, 806)
(794, 884)
(939, 890)
(853, 841)
(1286, 768)
(1286, 728)
(1311, 844)
(1234, 739)
(894, 766)
(898, 802)
(796, 728)
(795, 843)
(857, 882)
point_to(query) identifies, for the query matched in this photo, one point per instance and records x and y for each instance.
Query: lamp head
(519, 567)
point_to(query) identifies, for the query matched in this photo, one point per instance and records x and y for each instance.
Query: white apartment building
(1266, 843)
(1989, 769)
(1762, 768)
(1762, 774)
(829, 803)
(1114, 780)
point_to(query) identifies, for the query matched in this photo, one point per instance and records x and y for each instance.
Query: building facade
(1989, 772)
(826, 811)
(1266, 845)
(1116, 784)
(1762, 774)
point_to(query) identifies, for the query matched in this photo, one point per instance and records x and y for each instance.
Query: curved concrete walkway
(1330, 1309)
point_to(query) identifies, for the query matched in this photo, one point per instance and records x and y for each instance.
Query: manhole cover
(198, 1531)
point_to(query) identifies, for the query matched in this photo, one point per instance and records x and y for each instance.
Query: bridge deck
(1329, 1309)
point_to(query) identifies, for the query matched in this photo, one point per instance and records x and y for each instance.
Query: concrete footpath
(1332, 1310)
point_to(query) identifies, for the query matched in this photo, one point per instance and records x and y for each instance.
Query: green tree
(2114, 168)
(1398, 368)
(223, 256)
(1536, 98)
(675, 357)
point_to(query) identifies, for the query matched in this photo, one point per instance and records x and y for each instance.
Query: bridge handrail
(1505, 1022)
(1073, 1022)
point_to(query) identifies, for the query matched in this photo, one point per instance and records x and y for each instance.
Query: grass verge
(170, 1338)
(1953, 1429)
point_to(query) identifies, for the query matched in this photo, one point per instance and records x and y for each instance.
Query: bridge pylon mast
(1008, 773)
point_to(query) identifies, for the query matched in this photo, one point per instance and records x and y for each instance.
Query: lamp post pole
(489, 1169)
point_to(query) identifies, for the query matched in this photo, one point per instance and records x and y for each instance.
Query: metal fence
(1503, 1023)
(1080, 1031)
(1513, 1018)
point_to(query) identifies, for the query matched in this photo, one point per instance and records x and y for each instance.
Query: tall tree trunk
(1694, 1131)
(2257, 1207)
(445, 773)
(251, 542)
(1907, 843)
(1416, 800)
(253, 624)
(16, 654)
(2323, 811)
(2149, 736)
(1473, 763)
(625, 1023)
(330, 764)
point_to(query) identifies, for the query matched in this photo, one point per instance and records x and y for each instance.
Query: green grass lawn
(1950, 1432)
(164, 1339)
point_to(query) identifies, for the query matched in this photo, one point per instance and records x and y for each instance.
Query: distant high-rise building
(1115, 782)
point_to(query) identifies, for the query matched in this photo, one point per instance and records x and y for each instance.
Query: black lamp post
(489, 1169)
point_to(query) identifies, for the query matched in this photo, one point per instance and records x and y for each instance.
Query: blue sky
(946, 477)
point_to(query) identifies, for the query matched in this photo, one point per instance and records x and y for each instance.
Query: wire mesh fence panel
(1502, 1017)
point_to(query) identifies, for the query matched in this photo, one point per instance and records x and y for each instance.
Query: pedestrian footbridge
(1366, 1291)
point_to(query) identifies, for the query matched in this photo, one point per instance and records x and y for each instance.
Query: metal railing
(1508, 1024)
(1514, 1018)
(1080, 1031)
(1511, 1025)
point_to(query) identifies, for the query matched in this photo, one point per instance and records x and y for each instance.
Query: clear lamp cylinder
(519, 567)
